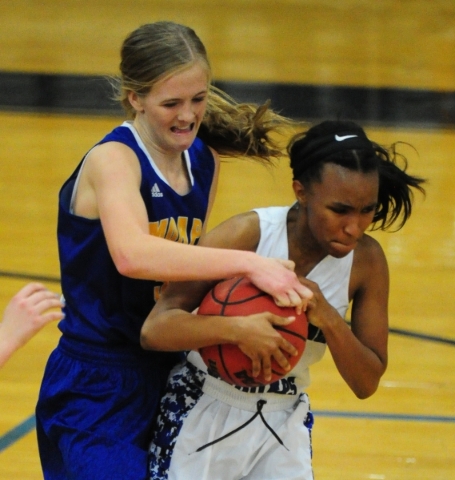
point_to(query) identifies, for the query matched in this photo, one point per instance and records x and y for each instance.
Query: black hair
(346, 144)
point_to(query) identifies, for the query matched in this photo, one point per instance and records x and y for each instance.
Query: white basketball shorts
(209, 430)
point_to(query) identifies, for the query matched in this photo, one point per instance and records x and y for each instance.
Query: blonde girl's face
(172, 112)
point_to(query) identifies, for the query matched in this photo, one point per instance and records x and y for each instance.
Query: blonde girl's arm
(172, 327)
(114, 179)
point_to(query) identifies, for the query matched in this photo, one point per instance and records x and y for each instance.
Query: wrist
(248, 264)
(331, 322)
(230, 329)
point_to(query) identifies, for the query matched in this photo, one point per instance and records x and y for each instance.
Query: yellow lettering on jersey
(158, 229)
(176, 231)
(196, 230)
(182, 223)
(172, 231)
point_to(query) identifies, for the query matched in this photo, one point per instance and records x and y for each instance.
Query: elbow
(145, 342)
(126, 265)
(368, 383)
(365, 391)
(146, 338)
(367, 387)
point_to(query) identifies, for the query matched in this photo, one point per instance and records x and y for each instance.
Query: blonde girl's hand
(277, 278)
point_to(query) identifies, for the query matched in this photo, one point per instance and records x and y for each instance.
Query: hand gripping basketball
(238, 296)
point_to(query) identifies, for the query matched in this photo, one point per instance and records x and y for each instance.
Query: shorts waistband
(248, 401)
(107, 354)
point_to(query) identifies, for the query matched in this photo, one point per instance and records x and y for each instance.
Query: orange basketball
(238, 296)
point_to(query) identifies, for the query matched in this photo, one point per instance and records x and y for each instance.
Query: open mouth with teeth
(187, 129)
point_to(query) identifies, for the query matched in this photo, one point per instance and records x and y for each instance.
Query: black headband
(309, 153)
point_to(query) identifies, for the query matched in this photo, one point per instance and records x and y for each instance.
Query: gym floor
(388, 65)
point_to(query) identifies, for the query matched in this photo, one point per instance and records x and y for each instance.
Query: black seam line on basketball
(289, 332)
(227, 303)
(223, 303)
(243, 300)
(223, 363)
(259, 405)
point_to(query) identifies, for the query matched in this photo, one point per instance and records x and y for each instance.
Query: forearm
(360, 367)
(160, 259)
(177, 330)
(170, 261)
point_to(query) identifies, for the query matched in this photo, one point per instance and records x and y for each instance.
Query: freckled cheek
(200, 112)
(160, 119)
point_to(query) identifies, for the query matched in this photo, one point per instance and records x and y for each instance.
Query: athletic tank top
(331, 274)
(102, 306)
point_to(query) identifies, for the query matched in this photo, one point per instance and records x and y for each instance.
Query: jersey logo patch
(156, 191)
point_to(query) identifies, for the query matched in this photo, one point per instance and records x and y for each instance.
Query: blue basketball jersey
(103, 306)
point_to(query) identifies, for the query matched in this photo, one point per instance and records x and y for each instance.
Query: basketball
(238, 296)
